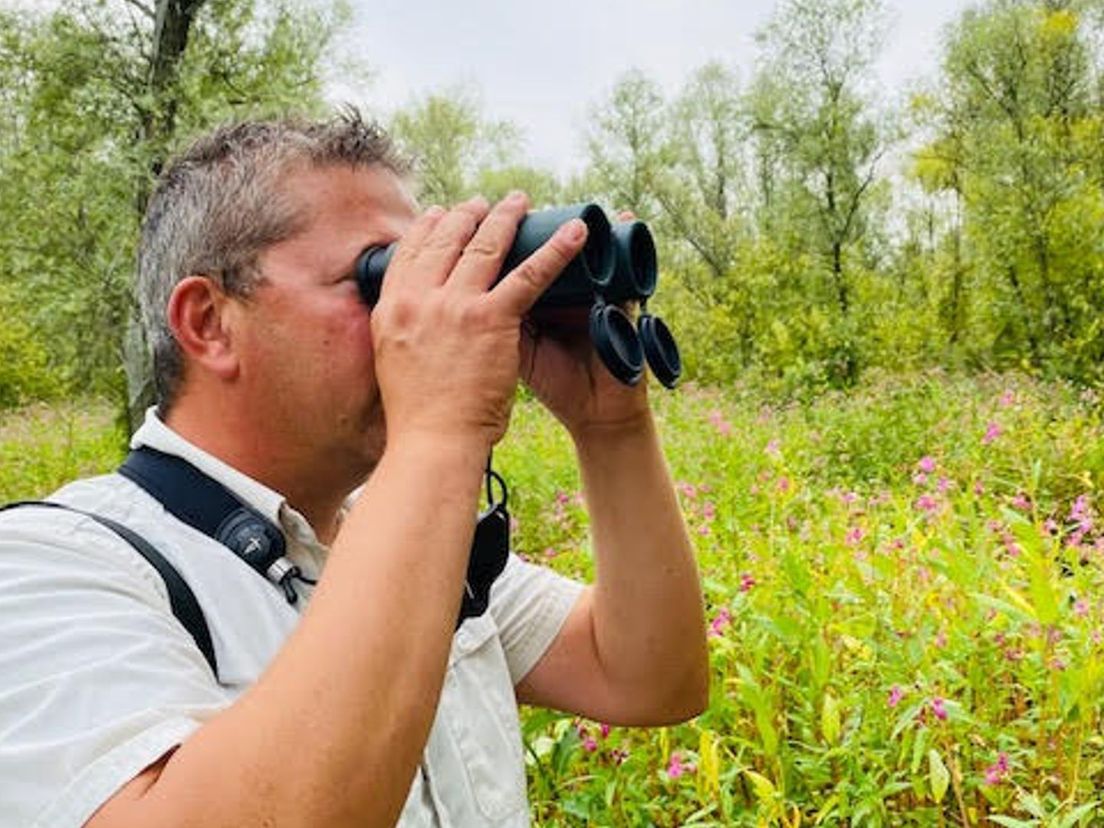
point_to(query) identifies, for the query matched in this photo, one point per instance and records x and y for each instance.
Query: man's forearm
(647, 617)
(332, 732)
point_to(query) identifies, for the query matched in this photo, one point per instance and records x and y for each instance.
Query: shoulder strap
(181, 598)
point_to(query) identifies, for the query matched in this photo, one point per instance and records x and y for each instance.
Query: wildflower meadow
(905, 611)
(904, 603)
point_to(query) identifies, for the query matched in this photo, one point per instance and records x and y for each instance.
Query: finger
(438, 252)
(481, 260)
(414, 237)
(517, 292)
(626, 215)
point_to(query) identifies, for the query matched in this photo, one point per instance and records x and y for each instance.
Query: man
(277, 381)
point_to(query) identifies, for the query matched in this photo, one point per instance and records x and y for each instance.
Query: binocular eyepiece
(617, 264)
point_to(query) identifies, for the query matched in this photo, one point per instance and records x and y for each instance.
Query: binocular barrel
(617, 264)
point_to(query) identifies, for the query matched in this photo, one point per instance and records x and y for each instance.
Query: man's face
(303, 336)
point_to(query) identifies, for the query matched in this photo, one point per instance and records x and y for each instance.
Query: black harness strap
(181, 598)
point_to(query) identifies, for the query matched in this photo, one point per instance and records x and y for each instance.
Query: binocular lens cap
(617, 342)
(661, 349)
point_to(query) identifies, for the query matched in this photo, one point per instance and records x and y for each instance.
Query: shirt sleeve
(529, 604)
(99, 679)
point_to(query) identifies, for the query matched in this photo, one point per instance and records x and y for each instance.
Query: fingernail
(435, 211)
(575, 229)
(515, 197)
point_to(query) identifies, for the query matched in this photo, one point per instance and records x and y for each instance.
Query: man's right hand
(446, 343)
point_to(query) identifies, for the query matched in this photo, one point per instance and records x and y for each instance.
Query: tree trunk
(172, 24)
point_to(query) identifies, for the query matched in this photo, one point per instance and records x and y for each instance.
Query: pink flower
(604, 730)
(992, 432)
(979, 488)
(773, 449)
(719, 623)
(1007, 398)
(709, 511)
(1081, 513)
(1051, 526)
(920, 478)
(783, 484)
(589, 745)
(718, 421)
(997, 772)
(687, 489)
(1081, 608)
(1022, 502)
(855, 536)
(849, 497)
(944, 485)
(927, 503)
(926, 464)
(676, 769)
(747, 581)
(937, 708)
(895, 696)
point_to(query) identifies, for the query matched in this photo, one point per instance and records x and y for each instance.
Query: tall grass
(905, 604)
(45, 446)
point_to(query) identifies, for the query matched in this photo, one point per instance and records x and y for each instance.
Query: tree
(99, 93)
(820, 129)
(1017, 131)
(456, 148)
(624, 143)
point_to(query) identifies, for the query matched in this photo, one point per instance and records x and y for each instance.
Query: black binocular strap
(181, 598)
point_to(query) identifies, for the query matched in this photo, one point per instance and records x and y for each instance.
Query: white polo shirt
(98, 679)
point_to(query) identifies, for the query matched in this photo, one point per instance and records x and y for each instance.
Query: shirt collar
(155, 434)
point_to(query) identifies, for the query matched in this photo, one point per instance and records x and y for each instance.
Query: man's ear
(199, 317)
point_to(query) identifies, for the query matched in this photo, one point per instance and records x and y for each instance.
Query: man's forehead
(344, 185)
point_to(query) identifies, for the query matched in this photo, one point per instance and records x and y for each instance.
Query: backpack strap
(181, 598)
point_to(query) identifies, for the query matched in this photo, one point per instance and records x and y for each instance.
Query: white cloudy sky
(541, 64)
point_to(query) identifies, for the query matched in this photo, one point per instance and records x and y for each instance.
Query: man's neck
(310, 488)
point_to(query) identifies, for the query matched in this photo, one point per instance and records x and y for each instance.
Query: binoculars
(617, 264)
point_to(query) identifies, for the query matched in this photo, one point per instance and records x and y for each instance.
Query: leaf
(709, 773)
(938, 775)
(1030, 803)
(763, 787)
(1010, 822)
(1077, 814)
(830, 719)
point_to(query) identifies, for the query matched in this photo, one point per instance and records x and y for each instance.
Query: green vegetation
(904, 594)
(43, 447)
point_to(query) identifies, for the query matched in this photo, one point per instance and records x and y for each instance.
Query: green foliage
(44, 447)
(903, 586)
(1016, 124)
(24, 368)
(83, 133)
(459, 152)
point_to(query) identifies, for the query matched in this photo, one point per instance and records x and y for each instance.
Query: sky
(543, 65)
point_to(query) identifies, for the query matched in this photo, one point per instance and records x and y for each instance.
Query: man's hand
(447, 346)
(562, 367)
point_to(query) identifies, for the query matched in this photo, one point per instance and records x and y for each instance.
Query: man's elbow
(692, 697)
(680, 699)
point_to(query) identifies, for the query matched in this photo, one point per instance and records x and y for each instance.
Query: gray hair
(221, 203)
